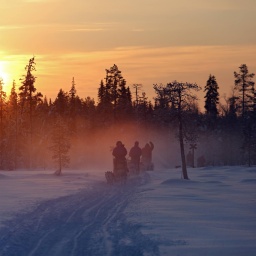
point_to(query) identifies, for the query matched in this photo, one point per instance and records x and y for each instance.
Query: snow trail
(90, 222)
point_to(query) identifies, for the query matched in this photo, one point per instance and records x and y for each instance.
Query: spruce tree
(114, 84)
(114, 98)
(212, 96)
(61, 103)
(29, 99)
(72, 102)
(124, 103)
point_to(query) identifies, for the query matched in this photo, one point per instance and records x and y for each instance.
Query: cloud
(83, 29)
(10, 27)
(40, 1)
(89, 27)
(138, 30)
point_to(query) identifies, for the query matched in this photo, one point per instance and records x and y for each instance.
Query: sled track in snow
(90, 222)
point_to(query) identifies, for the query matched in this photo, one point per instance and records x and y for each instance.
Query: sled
(117, 177)
(119, 173)
(110, 177)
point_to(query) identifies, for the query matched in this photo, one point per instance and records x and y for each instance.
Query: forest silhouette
(75, 132)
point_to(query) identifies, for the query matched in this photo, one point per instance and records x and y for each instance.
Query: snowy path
(87, 223)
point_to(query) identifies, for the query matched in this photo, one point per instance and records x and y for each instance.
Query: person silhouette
(119, 161)
(135, 154)
(146, 156)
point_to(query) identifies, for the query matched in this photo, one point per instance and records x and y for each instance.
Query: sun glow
(4, 76)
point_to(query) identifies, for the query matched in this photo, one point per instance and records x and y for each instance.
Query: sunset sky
(151, 41)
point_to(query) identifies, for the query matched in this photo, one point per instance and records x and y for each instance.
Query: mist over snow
(155, 213)
(95, 150)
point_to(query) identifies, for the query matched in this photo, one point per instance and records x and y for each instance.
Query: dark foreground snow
(156, 213)
(87, 223)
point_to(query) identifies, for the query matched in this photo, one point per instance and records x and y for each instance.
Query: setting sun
(150, 43)
(4, 75)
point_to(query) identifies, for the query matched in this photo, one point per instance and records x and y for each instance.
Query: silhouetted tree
(245, 87)
(75, 103)
(60, 145)
(137, 90)
(163, 106)
(27, 123)
(143, 108)
(191, 124)
(114, 97)
(44, 126)
(114, 84)
(211, 97)
(61, 104)
(75, 106)
(178, 94)
(13, 129)
(124, 103)
(104, 107)
(89, 112)
(229, 133)
(29, 99)
(2, 124)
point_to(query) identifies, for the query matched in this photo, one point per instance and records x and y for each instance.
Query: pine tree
(114, 84)
(163, 107)
(177, 94)
(114, 97)
(114, 80)
(72, 92)
(104, 97)
(124, 103)
(43, 126)
(101, 93)
(29, 100)
(75, 103)
(212, 96)
(61, 104)
(89, 113)
(13, 129)
(245, 87)
(73, 108)
(60, 145)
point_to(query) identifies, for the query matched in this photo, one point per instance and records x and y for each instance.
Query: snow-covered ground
(156, 213)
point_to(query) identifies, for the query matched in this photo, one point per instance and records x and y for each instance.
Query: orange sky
(151, 41)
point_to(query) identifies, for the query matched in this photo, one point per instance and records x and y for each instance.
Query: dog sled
(119, 174)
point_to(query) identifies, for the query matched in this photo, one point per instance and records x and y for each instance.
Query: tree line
(35, 131)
